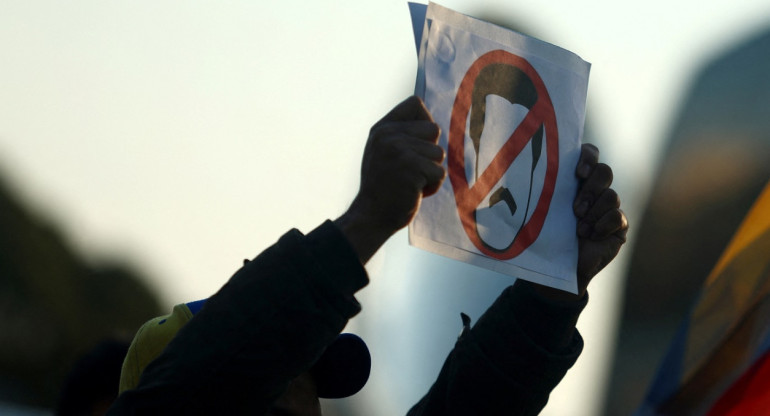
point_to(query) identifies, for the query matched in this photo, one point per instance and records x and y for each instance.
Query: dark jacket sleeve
(509, 362)
(268, 324)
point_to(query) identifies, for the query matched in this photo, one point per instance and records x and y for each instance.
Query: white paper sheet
(511, 110)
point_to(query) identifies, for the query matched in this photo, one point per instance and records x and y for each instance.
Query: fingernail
(584, 230)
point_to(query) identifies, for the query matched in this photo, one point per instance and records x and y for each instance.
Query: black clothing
(276, 315)
(509, 362)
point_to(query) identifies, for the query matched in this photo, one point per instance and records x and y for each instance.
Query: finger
(434, 175)
(430, 151)
(606, 201)
(599, 180)
(410, 109)
(589, 157)
(623, 232)
(417, 171)
(421, 129)
(611, 223)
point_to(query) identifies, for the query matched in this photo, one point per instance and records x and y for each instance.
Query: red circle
(468, 198)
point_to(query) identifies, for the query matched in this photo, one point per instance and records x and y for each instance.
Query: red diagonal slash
(468, 198)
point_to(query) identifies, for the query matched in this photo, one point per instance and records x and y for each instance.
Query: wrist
(363, 234)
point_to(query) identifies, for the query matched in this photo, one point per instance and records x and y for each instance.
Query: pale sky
(184, 136)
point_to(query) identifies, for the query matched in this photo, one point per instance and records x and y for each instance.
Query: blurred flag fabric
(719, 361)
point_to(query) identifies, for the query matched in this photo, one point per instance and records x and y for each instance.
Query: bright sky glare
(184, 136)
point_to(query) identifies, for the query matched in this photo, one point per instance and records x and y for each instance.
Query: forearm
(268, 324)
(362, 234)
(502, 366)
(548, 319)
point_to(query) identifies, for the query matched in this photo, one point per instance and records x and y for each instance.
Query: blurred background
(147, 148)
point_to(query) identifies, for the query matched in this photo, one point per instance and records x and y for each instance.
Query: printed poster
(511, 110)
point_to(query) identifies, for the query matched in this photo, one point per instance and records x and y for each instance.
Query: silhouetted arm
(524, 344)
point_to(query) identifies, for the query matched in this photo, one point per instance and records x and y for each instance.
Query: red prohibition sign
(541, 114)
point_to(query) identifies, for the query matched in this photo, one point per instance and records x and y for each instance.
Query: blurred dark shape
(92, 385)
(716, 162)
(54, 305)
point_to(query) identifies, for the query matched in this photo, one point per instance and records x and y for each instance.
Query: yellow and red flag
(719, 362)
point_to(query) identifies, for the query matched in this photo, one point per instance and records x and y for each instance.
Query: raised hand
(401, 164)
(602, 225)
